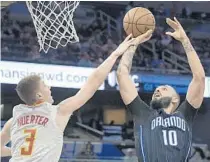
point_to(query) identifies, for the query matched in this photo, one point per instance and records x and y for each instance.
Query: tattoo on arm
(188, 46)
(127, 59)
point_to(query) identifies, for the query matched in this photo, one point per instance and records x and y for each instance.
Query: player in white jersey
(36, 129)
(35, 135)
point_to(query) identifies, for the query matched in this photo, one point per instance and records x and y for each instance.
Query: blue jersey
(162, 137)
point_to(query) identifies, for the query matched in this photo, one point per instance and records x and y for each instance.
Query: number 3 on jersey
(31, 134)
(170, 137)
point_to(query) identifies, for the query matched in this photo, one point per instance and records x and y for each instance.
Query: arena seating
(19, 43)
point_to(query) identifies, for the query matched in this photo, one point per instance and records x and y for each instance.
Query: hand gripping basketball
(143, 38)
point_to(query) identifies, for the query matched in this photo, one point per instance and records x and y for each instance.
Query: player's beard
(163, 102)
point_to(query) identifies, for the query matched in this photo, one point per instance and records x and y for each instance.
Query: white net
(53, 21)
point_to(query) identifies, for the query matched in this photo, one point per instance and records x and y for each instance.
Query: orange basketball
(138, 21)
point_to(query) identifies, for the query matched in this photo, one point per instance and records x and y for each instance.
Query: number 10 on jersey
(170, 137)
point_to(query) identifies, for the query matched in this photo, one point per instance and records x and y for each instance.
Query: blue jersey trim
(141, 140)
(190, 145)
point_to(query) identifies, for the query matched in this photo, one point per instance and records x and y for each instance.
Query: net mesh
(53, 21)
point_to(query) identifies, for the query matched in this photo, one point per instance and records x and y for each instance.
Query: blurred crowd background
(97, 41)
(100, 30)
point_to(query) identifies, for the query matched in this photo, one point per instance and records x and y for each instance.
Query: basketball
(138, 21)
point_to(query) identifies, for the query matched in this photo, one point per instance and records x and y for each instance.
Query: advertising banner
(53, 75)
(75, 77)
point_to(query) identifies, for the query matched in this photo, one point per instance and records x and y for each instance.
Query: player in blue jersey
(163, 129)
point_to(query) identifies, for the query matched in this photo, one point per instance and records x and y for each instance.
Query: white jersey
(35, 137)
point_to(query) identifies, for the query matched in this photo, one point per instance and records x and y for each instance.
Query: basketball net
(53, 21)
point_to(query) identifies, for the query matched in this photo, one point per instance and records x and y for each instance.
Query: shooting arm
(5, 138)
(128, 90)
(196, 88)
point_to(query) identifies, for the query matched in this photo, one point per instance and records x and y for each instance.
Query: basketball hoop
(53, 21)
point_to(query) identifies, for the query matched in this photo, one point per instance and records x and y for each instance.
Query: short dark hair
(27, 88)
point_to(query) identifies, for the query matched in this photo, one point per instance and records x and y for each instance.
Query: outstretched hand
(179, 33)
(124, 45)
(129, 41)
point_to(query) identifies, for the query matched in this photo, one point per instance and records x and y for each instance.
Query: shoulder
(7, 125)
(51, 105)
(17, 107)
(53, 109)
(48, 106)
(185, 104)
(139, 108)
(16, 110)
(188, 111)
(9, 121)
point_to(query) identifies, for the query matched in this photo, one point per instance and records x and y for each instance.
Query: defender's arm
(71, 104)
(5, 138)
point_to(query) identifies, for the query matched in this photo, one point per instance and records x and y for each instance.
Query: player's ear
(39, 96)
(175, 100)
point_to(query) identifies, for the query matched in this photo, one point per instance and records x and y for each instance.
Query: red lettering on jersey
(32, 119)
(27, 119)
(23, 120)
(45, 121)
(40, 120)
(19, 121)
(37, 117)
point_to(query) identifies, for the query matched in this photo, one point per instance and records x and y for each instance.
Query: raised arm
(128, 90)
(196, 88)
(71, 104)
(5, 138)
